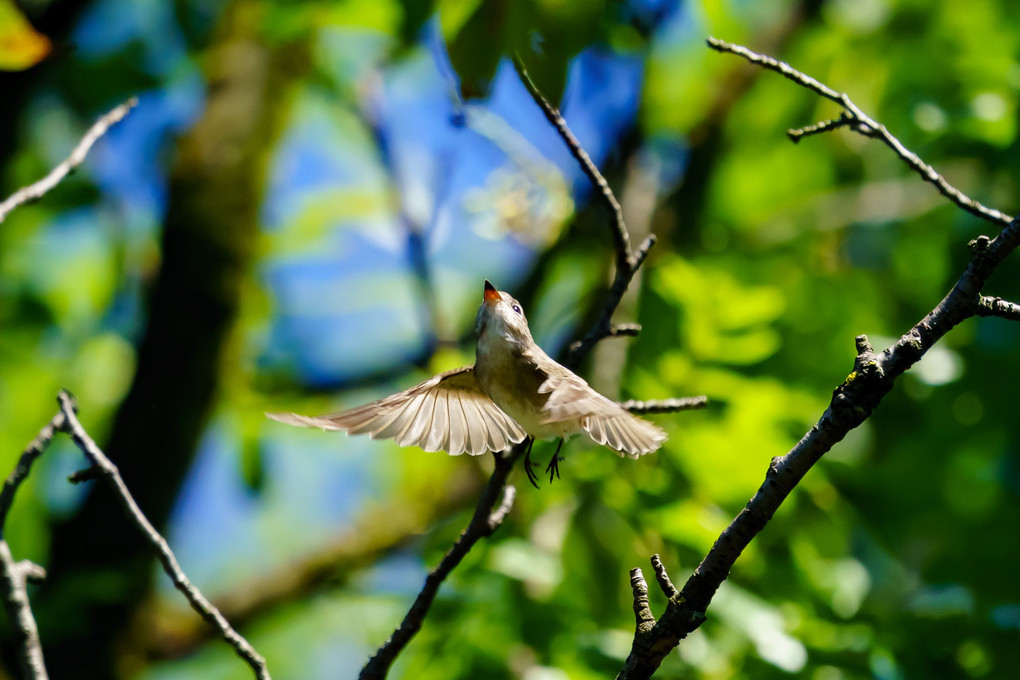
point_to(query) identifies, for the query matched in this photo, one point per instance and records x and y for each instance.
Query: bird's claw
(553, 468)
(528, 464)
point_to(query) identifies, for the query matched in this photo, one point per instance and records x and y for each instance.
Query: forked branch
(627, 261)
(14, 575)
(109, 474)
(860, 122)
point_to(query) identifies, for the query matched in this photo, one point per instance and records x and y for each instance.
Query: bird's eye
(517, 308)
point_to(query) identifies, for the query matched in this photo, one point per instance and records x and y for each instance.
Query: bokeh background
(299, 215)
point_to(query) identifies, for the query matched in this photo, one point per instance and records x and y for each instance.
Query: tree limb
(621, 238)
(852, 402)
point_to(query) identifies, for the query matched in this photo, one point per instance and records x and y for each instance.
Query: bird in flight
(514, 391)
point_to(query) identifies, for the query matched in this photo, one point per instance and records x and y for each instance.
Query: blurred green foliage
(895, 557)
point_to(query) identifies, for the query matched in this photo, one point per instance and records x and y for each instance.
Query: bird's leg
(553, 468)
(532, 477)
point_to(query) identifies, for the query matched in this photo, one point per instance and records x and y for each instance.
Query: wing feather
(614, 437)
(408, 416)
(623, 432)
(417, 431)
(475, 440)
(393, 427)
(439, 433)
(448, 412)
(458, 425)
(596, 430)
(496, 434)
(628, 444)
(605, 421)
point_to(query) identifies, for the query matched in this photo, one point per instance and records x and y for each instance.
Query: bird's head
(501, 318)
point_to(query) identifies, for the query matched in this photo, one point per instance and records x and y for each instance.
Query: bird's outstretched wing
(448, 412)
(602, 419)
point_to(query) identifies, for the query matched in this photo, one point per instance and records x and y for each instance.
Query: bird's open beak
(491, 294)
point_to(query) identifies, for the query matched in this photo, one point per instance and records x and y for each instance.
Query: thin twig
(619, 330)
(612, 331)
(111, 476)
(34, 192)
(621, 238)
(993, 306)
(665, 405)
(818, 128)
(627, 261)
(486, 519)
(865, 125)
(665, 584)
(642, 611)
(24, 466)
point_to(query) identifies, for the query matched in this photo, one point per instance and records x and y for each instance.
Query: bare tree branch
(627, 261)
(487, 517)
(818, 128)
(852, 402)
(862, 124)
(993, 306)
(24, 466)
(34, 192)
(642, 610)
(111, 476)
(668, 589)
(621, 238)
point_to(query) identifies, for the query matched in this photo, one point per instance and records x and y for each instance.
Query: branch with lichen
(853, 401)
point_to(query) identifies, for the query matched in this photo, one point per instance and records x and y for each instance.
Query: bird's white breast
(500, 370)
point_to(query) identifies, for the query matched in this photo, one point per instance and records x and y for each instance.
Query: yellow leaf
(20, 45)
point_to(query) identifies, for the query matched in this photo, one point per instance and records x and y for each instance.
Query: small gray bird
(514, 391)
